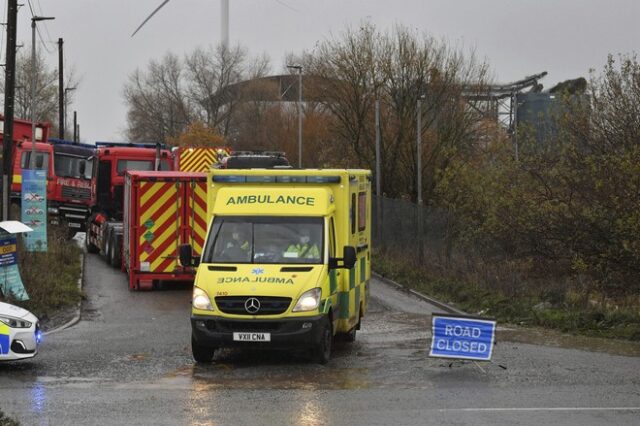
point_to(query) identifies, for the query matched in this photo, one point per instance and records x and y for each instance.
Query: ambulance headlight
(15, 322)
(309, 300)
(201, 299)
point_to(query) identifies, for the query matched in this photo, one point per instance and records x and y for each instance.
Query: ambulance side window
(362, 211)
(332, 240)
(353, 213)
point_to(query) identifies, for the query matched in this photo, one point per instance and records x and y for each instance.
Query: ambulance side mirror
(185, 255)
(349, 257)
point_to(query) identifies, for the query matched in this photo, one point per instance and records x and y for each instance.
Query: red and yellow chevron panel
(159, 226)
(198, 159)
(196, 215)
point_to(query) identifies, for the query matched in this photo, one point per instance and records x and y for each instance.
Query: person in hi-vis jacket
(304, 248)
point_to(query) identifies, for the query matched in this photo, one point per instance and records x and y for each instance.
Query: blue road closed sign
(462, 337)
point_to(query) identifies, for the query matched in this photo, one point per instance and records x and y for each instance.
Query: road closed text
(462, 338)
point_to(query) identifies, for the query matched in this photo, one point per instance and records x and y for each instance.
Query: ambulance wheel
(201, 354)
(322, 351)
(350, 336)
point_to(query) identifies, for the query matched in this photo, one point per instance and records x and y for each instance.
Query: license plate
(252, 337)
(74, 225)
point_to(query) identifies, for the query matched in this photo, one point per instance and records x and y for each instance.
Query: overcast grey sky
(517, 37)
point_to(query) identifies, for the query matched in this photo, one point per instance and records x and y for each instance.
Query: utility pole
(419, 150)
(9, 97)
(378, 178)
(75, 126)
(60, 90)
(33, 86)
(419, 177)
(299, 68)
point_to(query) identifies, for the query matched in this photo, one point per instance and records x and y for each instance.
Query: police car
(20, 333)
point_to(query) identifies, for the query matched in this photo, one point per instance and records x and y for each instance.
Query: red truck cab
(113, 160)
(22, 159)
(22, 145)
(71, 200)
(104, 227)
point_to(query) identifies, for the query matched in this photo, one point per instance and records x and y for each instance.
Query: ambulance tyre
(201, 354)
(322, 351)
(350, 336)
(90, 247)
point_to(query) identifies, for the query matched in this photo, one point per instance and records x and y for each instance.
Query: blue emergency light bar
(274, 179)
(130, 145)
(56, 141)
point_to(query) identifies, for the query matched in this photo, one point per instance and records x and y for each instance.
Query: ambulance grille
(268, 305)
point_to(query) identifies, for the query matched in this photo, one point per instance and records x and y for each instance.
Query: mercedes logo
(252, 305)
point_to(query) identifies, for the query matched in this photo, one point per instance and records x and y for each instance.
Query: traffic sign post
(462, 337)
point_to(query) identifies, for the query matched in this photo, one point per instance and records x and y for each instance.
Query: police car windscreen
(278, 240)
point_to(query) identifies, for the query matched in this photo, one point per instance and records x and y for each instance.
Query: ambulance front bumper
(288, 333)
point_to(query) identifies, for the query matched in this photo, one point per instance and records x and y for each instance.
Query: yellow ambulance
(286, 262)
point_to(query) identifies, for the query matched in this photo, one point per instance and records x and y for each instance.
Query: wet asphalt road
(128, 361)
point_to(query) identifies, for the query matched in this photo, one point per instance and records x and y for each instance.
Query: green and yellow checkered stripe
(346, 304)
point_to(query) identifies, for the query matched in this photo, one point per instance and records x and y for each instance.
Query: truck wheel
(322, 351)
(90, 247)
(115, 259)
(202, 354)
(107, 247)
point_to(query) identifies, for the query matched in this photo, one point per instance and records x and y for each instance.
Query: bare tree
(158, 105)
(46, 80)
(169, 95)
(397, 68)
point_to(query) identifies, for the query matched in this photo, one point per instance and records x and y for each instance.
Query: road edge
(76, 318)
(446, 307)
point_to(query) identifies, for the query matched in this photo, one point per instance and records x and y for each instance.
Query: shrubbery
(551, 237)
(50, 278)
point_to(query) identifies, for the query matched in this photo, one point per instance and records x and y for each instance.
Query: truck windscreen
(265, 240)
(72, 166)
(141, 165)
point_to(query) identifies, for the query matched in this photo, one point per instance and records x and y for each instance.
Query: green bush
(6, 421)
(533, 304)
(51, 277)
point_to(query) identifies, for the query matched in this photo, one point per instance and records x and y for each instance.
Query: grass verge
(522, 304)
(7, 421)
(51, 277)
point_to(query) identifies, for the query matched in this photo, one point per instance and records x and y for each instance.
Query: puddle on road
(242, 369)
(226, 376)
(566, 341)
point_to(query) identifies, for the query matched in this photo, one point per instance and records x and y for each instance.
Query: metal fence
(418, 232)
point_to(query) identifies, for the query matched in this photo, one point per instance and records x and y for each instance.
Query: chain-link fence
(416, 232)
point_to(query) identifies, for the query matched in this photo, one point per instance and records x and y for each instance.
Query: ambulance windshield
(264, 240)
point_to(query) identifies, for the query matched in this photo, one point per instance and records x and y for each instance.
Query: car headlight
(308, 301)
(15, 322)
(200, 299)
